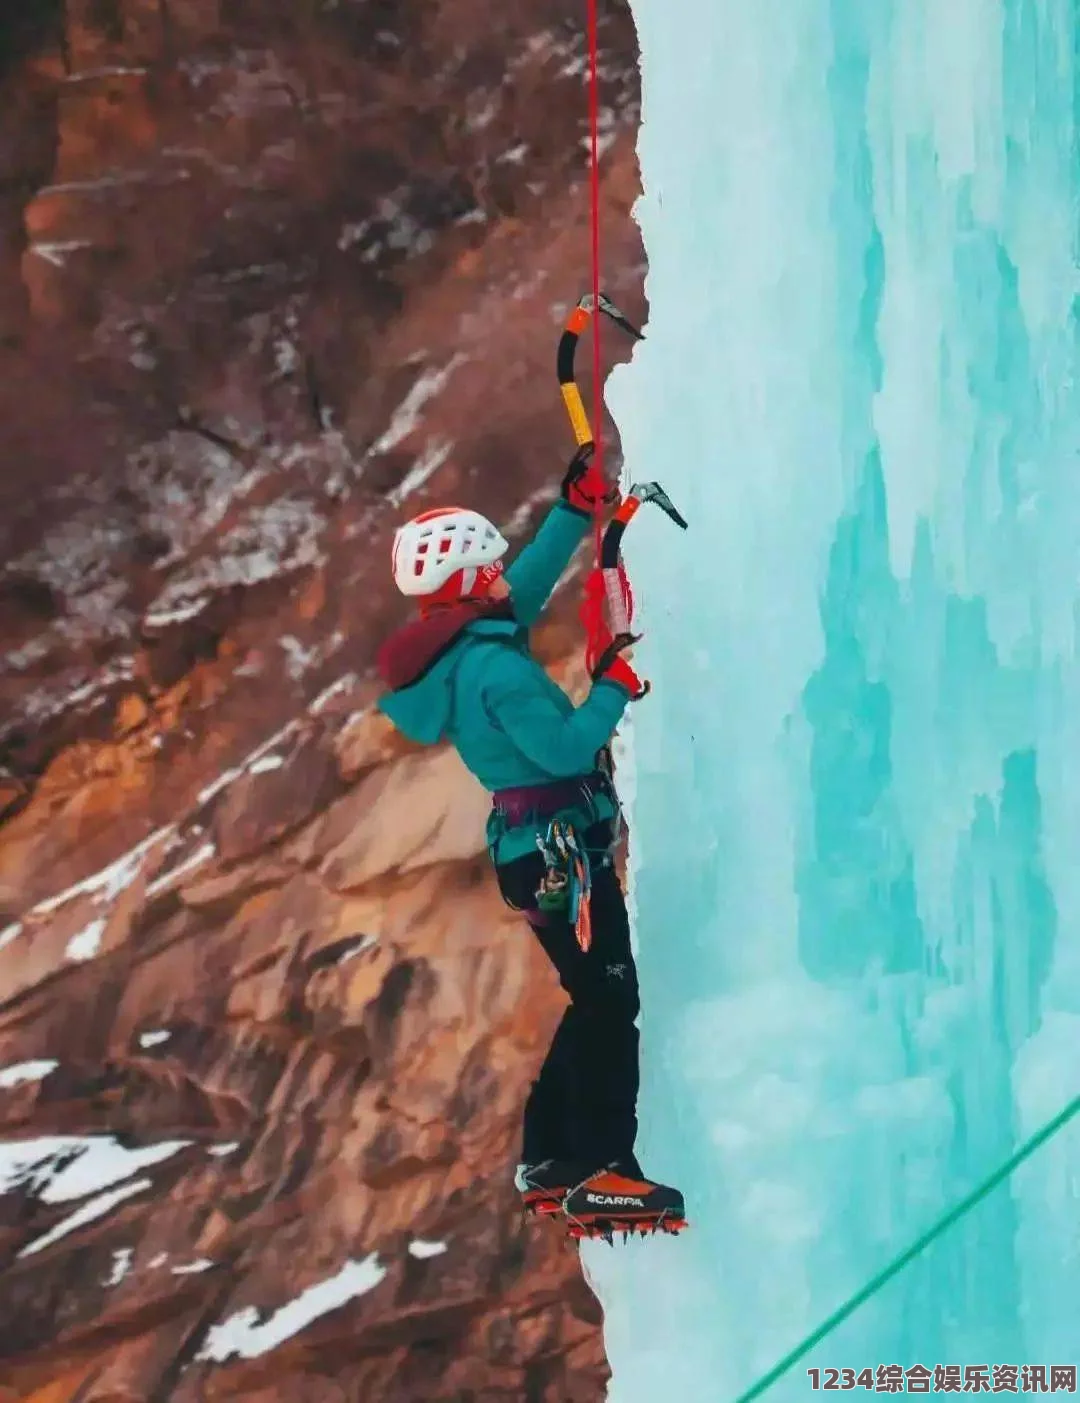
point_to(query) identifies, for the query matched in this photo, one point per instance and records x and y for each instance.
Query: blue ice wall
(856, 791)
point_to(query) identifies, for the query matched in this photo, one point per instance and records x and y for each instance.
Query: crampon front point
(607, 1229)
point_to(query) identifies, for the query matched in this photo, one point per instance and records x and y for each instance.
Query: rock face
(272, 277)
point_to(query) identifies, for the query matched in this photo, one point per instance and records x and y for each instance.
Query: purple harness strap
(518, 805)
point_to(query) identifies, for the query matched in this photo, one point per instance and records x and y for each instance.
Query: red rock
(272, 797)
(239, 245)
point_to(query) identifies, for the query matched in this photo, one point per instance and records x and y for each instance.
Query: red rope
(594, 173)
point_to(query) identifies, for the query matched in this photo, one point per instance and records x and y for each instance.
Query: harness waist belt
(518, 805)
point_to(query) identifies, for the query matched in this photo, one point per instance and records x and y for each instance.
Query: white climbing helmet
(429, 549)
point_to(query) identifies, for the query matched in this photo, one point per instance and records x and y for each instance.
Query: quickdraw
(566, 885)
(608, 579)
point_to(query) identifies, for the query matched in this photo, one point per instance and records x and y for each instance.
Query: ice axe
(610, 563)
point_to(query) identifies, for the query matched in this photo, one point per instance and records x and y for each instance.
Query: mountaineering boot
(620, 1198)
(543, 1186)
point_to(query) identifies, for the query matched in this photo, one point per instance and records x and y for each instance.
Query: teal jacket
(470, 679)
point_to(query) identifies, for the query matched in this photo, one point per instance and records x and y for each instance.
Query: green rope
(887, 1273)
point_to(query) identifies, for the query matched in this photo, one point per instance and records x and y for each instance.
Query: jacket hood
(418, 664)
(410, 652)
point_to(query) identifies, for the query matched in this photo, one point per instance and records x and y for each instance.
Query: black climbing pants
(583, 1105)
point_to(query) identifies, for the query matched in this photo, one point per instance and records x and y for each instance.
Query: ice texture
(855, 864)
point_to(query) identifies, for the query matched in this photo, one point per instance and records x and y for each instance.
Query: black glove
(583, 487)
(613, 665)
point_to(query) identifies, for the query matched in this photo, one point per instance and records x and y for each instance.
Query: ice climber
(462, 672)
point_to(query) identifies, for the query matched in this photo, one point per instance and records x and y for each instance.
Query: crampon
(608, 1229)
(605, 1229)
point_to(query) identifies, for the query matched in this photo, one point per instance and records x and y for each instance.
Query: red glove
(583, 485)
(602, 651)
(612, 667)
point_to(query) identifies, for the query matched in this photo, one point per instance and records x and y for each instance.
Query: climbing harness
(566, 885)
(874, 1285)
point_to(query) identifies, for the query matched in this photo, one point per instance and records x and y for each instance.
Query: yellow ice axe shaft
(574, 325)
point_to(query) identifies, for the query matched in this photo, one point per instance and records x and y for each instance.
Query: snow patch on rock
(242, 1334)
(406, 418)
(61, 1168)
(429, 462)
(335, 689)
(87, 943)
(266, 764)
(278, 538)
(20, 1072)
(422, 1249)
(88, 1212)
(200, 1264)
(121, 1265)
(194, 860)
